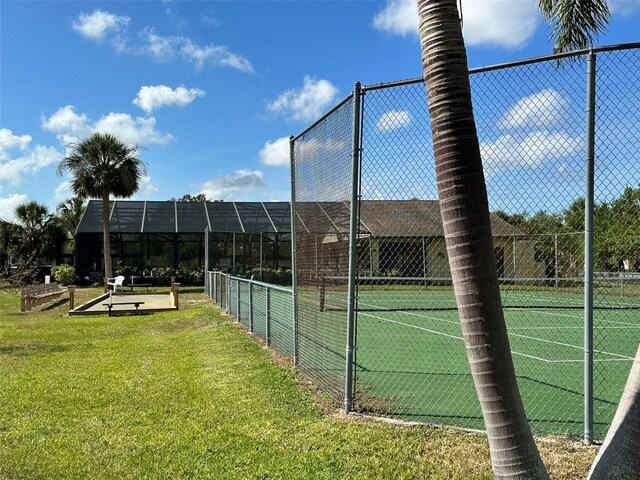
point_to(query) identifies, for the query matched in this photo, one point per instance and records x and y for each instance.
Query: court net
(436, 293)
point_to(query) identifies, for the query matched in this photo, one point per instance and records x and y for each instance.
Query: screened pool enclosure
(168, 234)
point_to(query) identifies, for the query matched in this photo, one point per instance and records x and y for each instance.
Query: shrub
(125, 270)
(64, 274)
(185, 276)
(95, 279)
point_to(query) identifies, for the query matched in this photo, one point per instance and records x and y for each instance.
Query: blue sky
(211, 90)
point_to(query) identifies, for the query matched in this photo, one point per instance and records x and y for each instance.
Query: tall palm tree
(102, 166)
(465, 213)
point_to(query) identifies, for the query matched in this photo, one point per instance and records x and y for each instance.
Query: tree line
(38, 234)
(616, 233)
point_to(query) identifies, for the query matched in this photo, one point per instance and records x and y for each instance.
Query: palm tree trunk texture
(106, 241)
(619, 457)
(465, 213)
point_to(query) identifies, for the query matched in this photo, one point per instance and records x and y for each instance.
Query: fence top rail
(322, 118)
(526, 61)
(258, 283)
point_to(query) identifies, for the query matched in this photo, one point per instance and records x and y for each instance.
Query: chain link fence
(531, 117)
(266, 310)
(403, 356)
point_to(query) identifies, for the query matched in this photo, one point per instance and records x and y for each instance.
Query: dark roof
(381, 218)
(415, 218)
(128, 216)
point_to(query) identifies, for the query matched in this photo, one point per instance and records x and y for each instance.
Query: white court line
(551, 314)
(455, 337)
(569, 345)
(413, 326)
(578, 317)
(621, 357)
(595, 360)
(620, 323)
(579, 327)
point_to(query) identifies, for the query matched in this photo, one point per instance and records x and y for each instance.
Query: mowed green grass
(186, 395)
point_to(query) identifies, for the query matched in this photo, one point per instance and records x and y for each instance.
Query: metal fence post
(588, 249)
(206, 262)
(353, 251)
(214, 286)
(294, 276)
(251, 307)
(233, 255)
(238, 301)
(227, 294)
(267, 326)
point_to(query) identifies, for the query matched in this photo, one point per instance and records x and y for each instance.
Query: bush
(184, 276)
(64, 274)
(125, 270)
(95, 279)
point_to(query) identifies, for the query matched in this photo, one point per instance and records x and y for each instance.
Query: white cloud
(63, 191)
(230, 187)
(8, 206)
(307, 102)
(276, 153)
(68, 123)
(393, 120)
(138, 131)
(167, 48)
(398, 17)
(317, 147)
(209, 19)
(539, 110)
(218, 55)
(531, 151)
(19, 158)
(72, 127)
(501, 23)
(624, 7)
(99, 24)
(147, 188)
(151, 97)
(160, 48)
(9, 141)
(498, 23)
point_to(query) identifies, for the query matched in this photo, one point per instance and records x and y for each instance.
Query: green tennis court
(411, 363)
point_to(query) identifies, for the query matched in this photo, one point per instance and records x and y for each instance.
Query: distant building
(400, 238)
(157, 234)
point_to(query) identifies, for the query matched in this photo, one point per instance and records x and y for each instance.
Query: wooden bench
(34, 295)
(110, 304)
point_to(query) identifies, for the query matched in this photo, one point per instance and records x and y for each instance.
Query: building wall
(417, 257)
(185, 250)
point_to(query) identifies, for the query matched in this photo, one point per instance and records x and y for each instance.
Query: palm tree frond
(575, 22)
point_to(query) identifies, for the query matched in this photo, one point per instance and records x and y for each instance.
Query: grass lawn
(189, 395)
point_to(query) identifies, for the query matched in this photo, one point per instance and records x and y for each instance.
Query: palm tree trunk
(465, 214)
(106, 241)
(618, 457)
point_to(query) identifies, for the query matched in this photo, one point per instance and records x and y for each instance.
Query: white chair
(115, 282)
